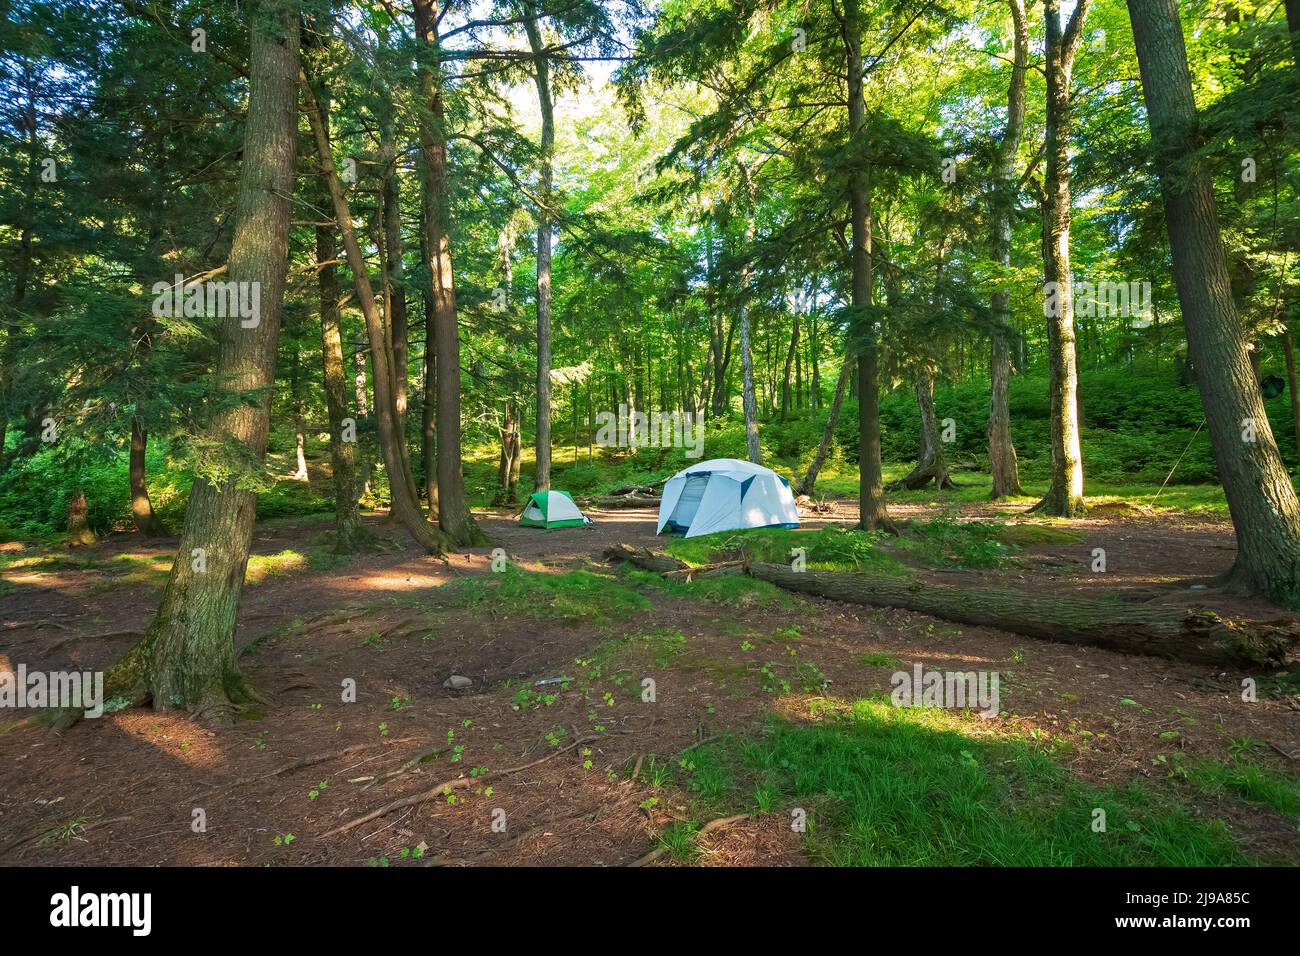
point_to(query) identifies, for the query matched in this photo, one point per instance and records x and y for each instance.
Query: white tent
(724, 494)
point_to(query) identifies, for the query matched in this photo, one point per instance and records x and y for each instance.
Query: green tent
(551, 509)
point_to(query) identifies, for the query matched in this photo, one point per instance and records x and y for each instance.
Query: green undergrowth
(573, 597)
(888, 786)
(1244, 778)
(731, 590)
(944, 540)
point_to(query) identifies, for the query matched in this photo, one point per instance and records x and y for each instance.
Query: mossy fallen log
(1192, 635)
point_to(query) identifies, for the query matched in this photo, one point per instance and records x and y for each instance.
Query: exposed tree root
(456, 783)
(301, 764)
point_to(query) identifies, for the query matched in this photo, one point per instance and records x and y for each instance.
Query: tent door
(689, 502)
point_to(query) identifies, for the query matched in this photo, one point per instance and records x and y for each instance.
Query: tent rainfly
(724, 494)
(551, 509)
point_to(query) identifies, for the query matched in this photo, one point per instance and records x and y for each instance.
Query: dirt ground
(127, 788)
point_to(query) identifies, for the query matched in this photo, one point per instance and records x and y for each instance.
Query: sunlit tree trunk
(1065, 495)
(1003, 464)
(146, 522)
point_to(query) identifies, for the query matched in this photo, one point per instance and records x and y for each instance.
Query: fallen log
(623, 501)
(645, 559)
(637, 489)
(1195, 636)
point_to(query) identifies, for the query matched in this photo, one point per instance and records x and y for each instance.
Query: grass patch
(732, 590)
(886, 786)
(1246, 779)
(828, 549)
(948, 542)
(1025, 535)
(881, 659)
(573, 597)
(264, 566)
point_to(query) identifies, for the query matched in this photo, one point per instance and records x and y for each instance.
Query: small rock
(457, 682)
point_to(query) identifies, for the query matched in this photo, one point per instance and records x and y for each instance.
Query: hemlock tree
(186, 659)
(1261, 498)
(542, 78)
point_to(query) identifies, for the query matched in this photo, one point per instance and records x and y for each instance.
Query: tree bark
(186, 658)
(1288, 348)
(299, 419)
(350, 534)
(79, 533)
(453, 513)
(930, 464)
(1261, 498)
(403, 500)
(871, 492)
(542, 78)
(1003, 464)
(749, 400)
(395, 307)
(146, 522)
(790, 354)
(1182, 634)
(828, 433)
(1065, 496)
(511, 453)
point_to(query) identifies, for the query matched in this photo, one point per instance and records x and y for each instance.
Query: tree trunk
(542, 76)
(395, 307)
(1288, 347)
(79, 533)
(749, 400)
(350, 534)
(791, 352)
(930, 465)
(1003, 464)
(511, 453)
(187, 657)
(824, 447)
(146, 522)
(428, 426)
(1182, 634)
(453, 513)
(1065, 496)
(299, 420)
(871, 492)
(1261, 498)
(403, 500)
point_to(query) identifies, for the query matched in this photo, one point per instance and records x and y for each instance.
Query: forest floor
(766, 705)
